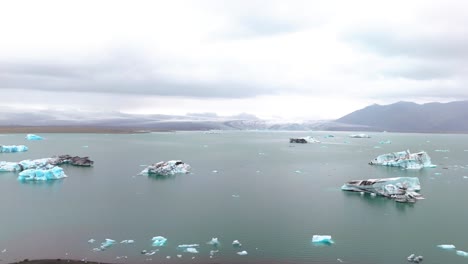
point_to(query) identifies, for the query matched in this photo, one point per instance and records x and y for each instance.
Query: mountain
(412, 117)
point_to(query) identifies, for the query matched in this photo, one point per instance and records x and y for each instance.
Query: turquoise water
(287, 193)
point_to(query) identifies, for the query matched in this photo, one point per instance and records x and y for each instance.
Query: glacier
(404, 159)
(401, 189)
(168, 168)
(54, 173)
(13, 148)
(33, 137)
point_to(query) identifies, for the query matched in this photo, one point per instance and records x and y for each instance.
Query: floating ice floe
(33, 137)
(404, 159)
(401, 189)
(324, 239)
(191, 250)
(359, 136)
(212, 252)
(329, 136)
(385, 142)
(168, 168)
(9, 166)
(45, 163)
(446, 246)
(179, 256)
(414, 259)
(442, 150)
(105, 245)
(214, 241)
(188, 245)
(13, 148)
(304, 140)
(54, 173)
(127, 241)
(149, 253)
(236, 243)
(237, 196)
(159, 241)
(92, 240)
(242, 253)
(462, 253)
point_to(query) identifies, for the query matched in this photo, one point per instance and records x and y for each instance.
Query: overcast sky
(289, 59)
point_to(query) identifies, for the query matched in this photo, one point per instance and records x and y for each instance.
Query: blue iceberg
(214, 241)
(404, 159)
(168, 168)
(13, 148)
(33, 137)
(159, 241)
(42, 174)
(323, 239)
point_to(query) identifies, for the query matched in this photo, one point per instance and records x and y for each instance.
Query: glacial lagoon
(254, 187)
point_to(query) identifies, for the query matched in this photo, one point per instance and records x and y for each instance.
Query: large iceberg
(13, 148)
(168, 168)
(33, 137)
(404, 159)
(401, 189)
(42, 174)
(45, 163)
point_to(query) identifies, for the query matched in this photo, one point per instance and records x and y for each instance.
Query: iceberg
(9, 166)
(13, 148)
(92, 240)
(168, 168)
(33, 137)
(45, 163)
(54, 173)
(404, 159)
(214, 241)
(188, 245)
(462, 253)
(446, 246)
(191, 250)
(304, 140)
(359, 136)
(385, 142)
(127, 241)
(242, 253)
(236, 243)
(322, 239)
(401, 189)
(105, 245)
(159, 241)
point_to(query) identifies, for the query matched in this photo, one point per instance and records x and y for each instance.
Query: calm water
(275, 217)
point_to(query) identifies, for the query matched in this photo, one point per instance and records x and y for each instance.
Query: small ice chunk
(373, 194)
(168, 257)
(33, 137)
(214, 171)
(242, 253)
(191, 250)
(465, 177)
(418, 259)
(92, 240)
(150, 253)
(179, 256)
(214, 241)
(298, 171)
(212, 252)
(4, 250)
(159, 241)
(462, 253)
(188, 245)
(235, 195)
(325, 239)
(129, 241)
(236, 243)
(411, 257)
(107, 243)
(446, 246)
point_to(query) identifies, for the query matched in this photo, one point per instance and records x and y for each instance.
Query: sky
(285, 59)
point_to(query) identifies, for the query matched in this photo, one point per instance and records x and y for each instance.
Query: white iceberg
(236, 243)
(446, 246)
(13, 148)
(107, 244)
(214, 241)
(127, 241)
(188, 245)
(54, 173)
(242, 253)
(359, 136)
(402, 189)
(191, 250)
(168, 168)
(324, 239)
(159, 241)
(462, 253)
(45, 163)
(33, 137)
(212, 252)
(92, 240)
(404, 159)
(9, 166)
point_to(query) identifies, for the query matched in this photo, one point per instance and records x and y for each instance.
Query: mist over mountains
(398, 117)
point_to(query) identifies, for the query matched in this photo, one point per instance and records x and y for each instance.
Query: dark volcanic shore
(74, 129)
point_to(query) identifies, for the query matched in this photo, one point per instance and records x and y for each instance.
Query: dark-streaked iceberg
(45, 163)
(167, 168)
(401, 189)
(33, 137)
(303, 140)
(404, 159)
(13, 148)
(54, 173)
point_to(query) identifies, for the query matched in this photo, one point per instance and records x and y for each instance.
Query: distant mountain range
(412, 117)
(398, 117)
